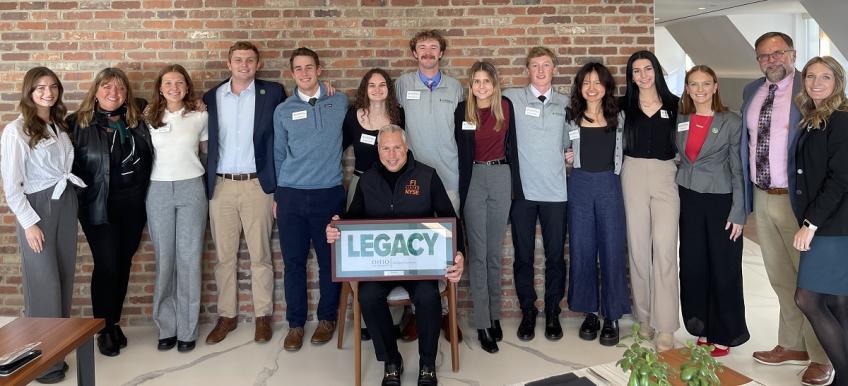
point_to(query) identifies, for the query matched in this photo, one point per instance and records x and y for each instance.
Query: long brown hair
(85, 114)
(156, 111)
(361, 100)
(34, 127)
(687, 105)
(816, 117)
(471, 113)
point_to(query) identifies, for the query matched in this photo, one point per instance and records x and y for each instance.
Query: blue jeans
(302, 216)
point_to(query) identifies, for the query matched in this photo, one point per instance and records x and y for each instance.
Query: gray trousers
(48, 277)
(486, 213)
(176, 219)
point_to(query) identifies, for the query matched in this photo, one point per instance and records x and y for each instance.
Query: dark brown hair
(428, 35)
(34, 127)
(156, 111)
(769, 35)
(361, 100)
(303, 51)
(242, 45)
(609, 107)
(687, 105)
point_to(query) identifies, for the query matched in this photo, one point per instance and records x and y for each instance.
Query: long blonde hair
(471, 113)
(85, 114)
(816, 117)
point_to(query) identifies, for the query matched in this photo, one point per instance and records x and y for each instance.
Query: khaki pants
(652, 208)
(776, 228)
(237, 206)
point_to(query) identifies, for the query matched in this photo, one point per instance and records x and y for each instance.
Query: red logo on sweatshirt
(412, 189)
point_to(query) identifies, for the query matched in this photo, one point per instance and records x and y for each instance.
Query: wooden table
(727, 377)
(58, 337)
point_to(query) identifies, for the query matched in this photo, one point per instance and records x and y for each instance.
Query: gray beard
(777, 75)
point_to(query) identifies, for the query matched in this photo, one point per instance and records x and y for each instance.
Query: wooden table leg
(357, 341)
(85, 363)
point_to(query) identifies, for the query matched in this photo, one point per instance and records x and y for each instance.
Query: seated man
(378, 195)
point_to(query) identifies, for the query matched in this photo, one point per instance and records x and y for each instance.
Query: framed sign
(396, 249)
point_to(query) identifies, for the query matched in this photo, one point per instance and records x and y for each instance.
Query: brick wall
(78, 38)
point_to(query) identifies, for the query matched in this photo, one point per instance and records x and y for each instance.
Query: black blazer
(465, 148)
(822, 176)
(268, 96)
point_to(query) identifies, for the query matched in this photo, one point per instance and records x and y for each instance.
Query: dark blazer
(792, 143)
(268, 96)
(465, 148)
(822, 160)
(718, 167)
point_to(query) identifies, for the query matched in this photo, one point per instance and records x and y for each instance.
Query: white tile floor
(239, 361)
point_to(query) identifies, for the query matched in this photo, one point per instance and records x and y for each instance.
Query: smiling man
(769, 139)
(241, 134)
(307, 158)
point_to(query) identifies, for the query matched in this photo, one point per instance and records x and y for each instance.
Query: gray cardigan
(572, 129)
(718, 168)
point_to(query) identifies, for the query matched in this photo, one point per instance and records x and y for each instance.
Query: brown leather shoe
(222, 328)
(818, 374)
(446, 329)
(781, 356)
(409, 331)
(324, 332)
(263, 329)
(294, 339)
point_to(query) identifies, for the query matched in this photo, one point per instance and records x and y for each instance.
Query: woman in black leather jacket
(113, 156)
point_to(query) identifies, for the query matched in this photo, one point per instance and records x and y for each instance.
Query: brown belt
(776, 190)
(237, 177)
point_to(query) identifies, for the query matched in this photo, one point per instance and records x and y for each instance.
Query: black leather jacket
(92, 164)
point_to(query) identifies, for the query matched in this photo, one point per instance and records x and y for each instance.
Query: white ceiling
(671, 11)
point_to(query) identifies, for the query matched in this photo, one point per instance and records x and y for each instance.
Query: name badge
(413, 95)
(533, 112)
(162, 129)
(683, 126)
(574, 134)
(45, 142)
(298, 115)
(367, 138)
(664, 114)
(468, 126)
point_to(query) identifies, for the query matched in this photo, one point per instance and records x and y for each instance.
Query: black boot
(106, 342)
(527, 328)
(589, 328)
(487, 341)
(496, 330)
(609, 333)
(120, 337)
(553, 330)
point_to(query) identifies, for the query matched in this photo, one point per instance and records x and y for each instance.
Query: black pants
(112, 248)
(552, 217)
(428, 313)
(710, 270)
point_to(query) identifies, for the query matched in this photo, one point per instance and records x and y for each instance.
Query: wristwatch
(810, 225)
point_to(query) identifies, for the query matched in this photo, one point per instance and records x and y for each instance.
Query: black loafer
(496, 330)
(167, 343)
(487, 341)
(55, 376)
(120, 337)
(553, 330)
(609, 333)
(391, 374)
(107, 345)
(527, 328)
(427, 376)
(589, 328)
(185, 346)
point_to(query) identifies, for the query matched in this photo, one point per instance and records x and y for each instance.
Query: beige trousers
(652, 208)
(776, 228)
(237, 206)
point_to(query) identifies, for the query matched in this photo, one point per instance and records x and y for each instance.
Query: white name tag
(683, 126)
(468, 126)
(369, 139)
(664, 114)
(297, 115)
(533, 112)
(163, 129)
(45, 142)
(414, 95)
(574, 134)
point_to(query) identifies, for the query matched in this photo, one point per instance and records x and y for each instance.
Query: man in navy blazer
(240, 181)
(770, 197)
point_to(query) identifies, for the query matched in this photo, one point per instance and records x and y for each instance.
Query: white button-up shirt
(28, 170)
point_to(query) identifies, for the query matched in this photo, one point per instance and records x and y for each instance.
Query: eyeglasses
(777, 55)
